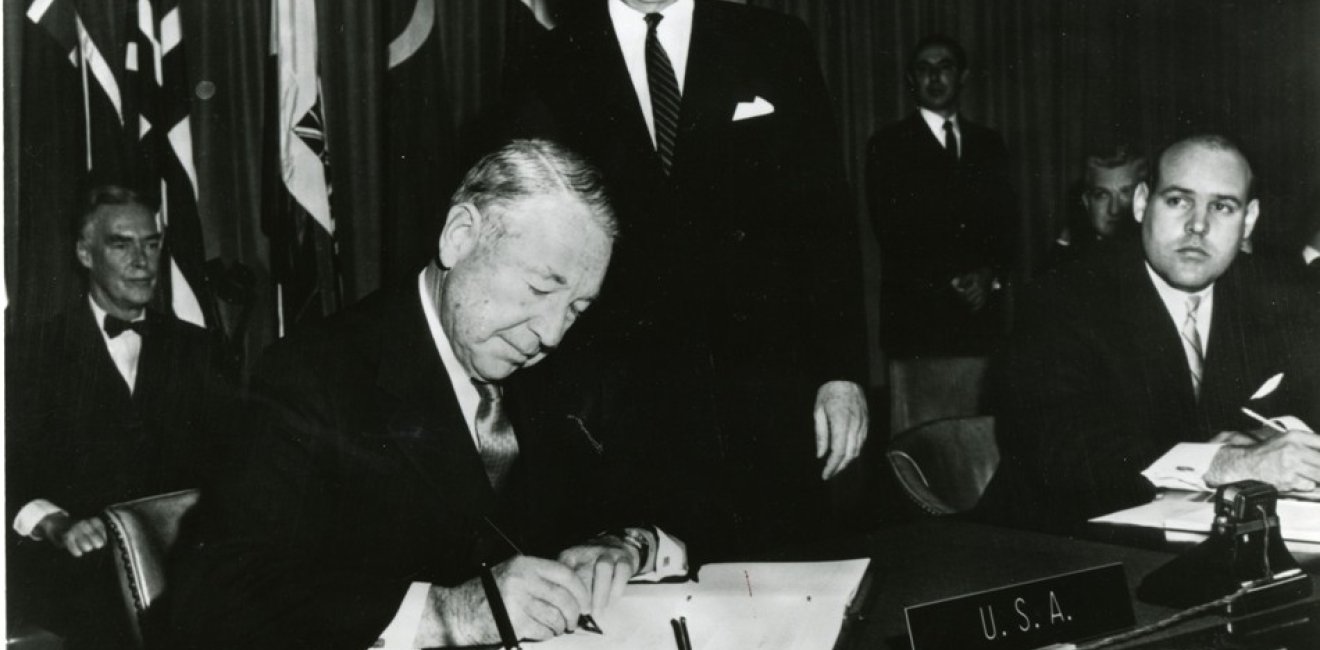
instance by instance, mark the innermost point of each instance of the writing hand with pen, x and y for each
(606, 563)
(1284, 452)
(537, 598)
(543, 599)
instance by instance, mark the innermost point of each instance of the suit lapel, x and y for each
(1237, 357)
(709, 89)
(153, 359)
(600, 46)
(1154, 337)
(422, 415)
(930, 147)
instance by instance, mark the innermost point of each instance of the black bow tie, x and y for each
(114, 326)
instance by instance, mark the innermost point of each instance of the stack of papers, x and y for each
(773, 606)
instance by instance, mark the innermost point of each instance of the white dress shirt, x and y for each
(464, 390)
(935, 122)
(671, 556)
(674, 34)
(124, 349)
(1175, 301)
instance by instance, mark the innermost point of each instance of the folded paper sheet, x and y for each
(772, 606)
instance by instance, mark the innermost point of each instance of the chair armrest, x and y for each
(915, 485)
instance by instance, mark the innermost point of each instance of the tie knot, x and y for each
(114, 326)
(948, 125)
(1193, 305)
(487, 391)
(652, 20)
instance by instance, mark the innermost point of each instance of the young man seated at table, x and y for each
(1153, 349)
(408, 440)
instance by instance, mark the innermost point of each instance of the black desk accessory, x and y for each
(1245, 552)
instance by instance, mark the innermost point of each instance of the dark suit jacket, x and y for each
(936, 219)
(1095, 385)
(363, 477)
(735, 285)
(76, 436)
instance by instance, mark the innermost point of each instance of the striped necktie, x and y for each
(499, 446)
(1192, 344)
(665, 96)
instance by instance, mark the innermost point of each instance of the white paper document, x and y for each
(1299, 520)
(771, 606)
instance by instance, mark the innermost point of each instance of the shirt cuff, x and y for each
(1183, 467)
(670, 559)
(402, 631)
(25, 523)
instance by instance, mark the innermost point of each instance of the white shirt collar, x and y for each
(1310, 254)
(1175, 302)
(675, 35)
(935, 122)
(467, 395)
(124, 349)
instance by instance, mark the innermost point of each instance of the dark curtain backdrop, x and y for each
(1057, 77)
(1051, 76)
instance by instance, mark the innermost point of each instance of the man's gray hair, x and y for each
(523, 169)
(108, 194)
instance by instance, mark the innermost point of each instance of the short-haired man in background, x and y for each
(108, 401)
(1109, 179)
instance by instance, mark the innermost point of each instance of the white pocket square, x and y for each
(755, 108)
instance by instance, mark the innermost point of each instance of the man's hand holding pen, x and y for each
(543, 599)
(1290, 460)
(607, 562)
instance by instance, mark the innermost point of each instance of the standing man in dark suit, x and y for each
(107, 402)
(736, 294)
(1149, 352)
(408, 439)
(943, 209)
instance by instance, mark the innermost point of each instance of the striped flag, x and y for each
(158, 72)
(296, 212)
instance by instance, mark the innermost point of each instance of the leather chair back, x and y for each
(922, 390)
(143, 532)
(945, 465)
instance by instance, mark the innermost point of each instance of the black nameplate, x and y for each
(1062, 608)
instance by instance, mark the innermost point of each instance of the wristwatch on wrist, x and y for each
(635, 538)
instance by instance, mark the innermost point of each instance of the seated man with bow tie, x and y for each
(108, 401)
(1151, 351)
(412, 438)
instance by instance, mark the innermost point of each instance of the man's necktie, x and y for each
(665, 96)
(1192, 344)
(950, 140)
(114, 326)
(499, 446)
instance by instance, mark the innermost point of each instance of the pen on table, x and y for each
(585, 621)
(508, 639)
(681, 633)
